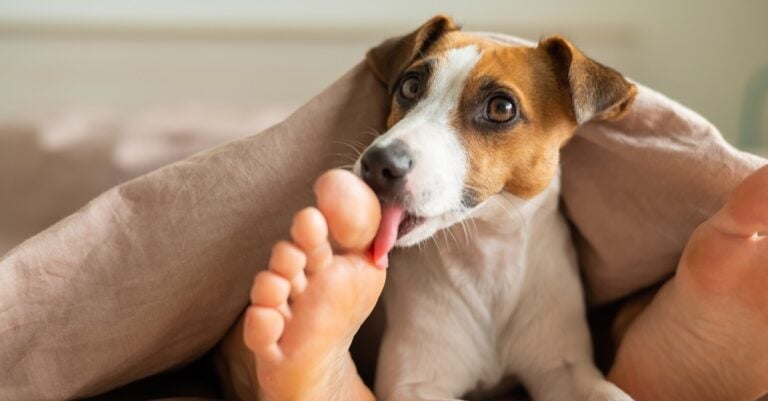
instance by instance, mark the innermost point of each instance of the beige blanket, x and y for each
(152, 273)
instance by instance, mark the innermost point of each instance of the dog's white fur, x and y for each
(502, 297)
(441, 165)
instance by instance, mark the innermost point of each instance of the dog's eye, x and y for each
(500, 109)
(409, 89)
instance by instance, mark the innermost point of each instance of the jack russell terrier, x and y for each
(473, 136)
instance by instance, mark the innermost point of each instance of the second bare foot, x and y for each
(703, 335)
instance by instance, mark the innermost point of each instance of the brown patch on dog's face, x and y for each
(519, 155)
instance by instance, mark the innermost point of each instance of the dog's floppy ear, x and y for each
(391, 57)
(597, 92)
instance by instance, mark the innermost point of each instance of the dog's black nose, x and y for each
(384, 168)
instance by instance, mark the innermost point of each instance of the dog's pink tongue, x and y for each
(391, 217)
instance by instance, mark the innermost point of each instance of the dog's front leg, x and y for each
(423, 366)
(550, 349)
(428, 352)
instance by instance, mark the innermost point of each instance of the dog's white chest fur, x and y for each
(499, 296)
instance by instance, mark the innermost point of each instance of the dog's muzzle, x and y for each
(385, 169)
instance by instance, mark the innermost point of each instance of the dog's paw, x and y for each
(607, 391)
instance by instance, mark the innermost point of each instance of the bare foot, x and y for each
(310, 302)
(703, 337)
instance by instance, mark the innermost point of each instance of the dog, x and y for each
(470, 159)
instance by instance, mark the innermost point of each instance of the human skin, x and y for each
(702, 336)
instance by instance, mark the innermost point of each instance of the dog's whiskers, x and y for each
(474, 226)
(345, 155)
(455, 240)
(344, 161)
(355, 149)
(372, 132)
(437, 244)
(359, 144)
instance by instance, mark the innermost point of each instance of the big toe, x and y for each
(746, 212)
(350, 207)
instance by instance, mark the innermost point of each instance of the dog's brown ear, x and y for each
(391, 57)
(597, 92)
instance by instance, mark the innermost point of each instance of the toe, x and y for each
(310, 233)
(351, 208)
(270, 290)
(746, 212)
(263, 328)
(288, 261)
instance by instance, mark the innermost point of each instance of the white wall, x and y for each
(128, 55)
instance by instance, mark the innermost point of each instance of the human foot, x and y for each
(308, 305)
(703, 335)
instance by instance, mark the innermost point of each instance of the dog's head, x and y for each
(471, 117)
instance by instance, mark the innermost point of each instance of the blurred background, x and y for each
(129, 56)
(95, 92)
